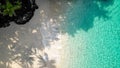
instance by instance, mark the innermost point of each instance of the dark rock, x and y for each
(25, 18)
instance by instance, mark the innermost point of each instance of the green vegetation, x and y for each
(9, 9)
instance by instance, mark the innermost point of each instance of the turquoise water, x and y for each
(94, 34)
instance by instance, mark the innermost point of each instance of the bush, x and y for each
(9, 9)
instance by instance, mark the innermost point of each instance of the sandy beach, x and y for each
(37, 44)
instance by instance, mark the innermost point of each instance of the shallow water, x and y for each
(94, 35)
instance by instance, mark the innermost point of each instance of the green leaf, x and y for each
(9, 8)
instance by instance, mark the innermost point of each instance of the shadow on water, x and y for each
(82, 13)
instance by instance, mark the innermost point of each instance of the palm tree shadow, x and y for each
(49, 63)
(82, 14)
(18, 55)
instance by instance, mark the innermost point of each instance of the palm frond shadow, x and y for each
(48, 64)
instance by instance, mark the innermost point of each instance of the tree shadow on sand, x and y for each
(82, 13)
(18, 46)
(46, 64)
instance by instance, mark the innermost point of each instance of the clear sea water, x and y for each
(93, 27)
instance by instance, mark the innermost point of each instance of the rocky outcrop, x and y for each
(23, 15)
